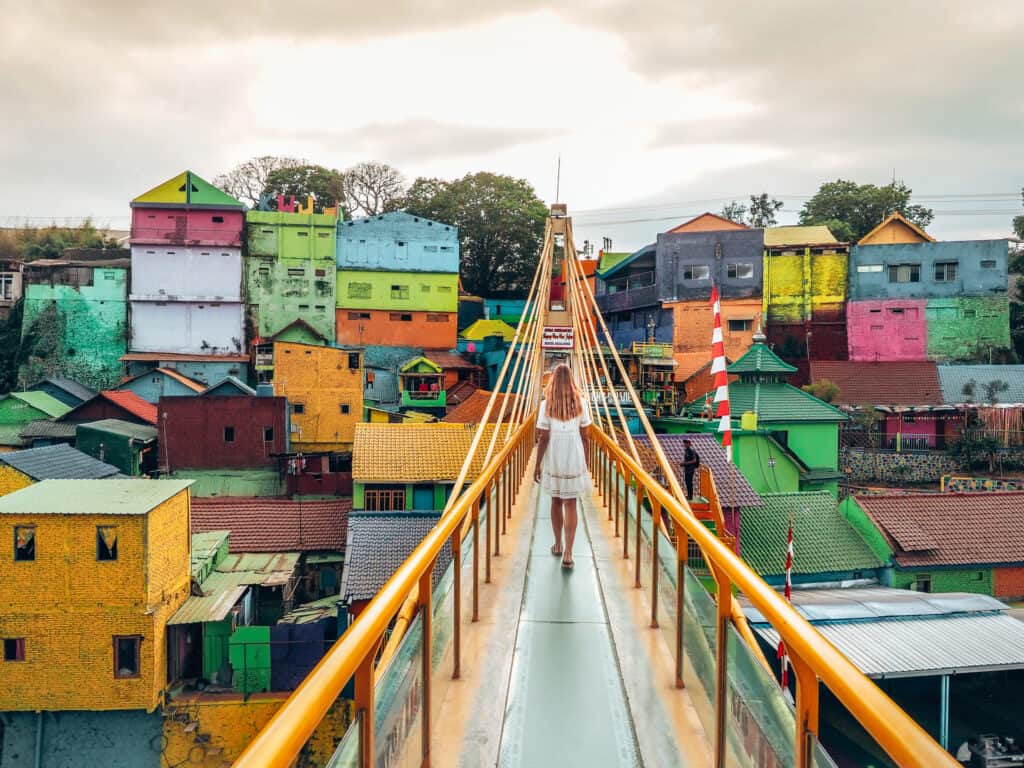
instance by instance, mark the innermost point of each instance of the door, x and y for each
(423, 497)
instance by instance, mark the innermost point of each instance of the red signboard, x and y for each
(557, 337)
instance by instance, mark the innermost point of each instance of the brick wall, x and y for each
(12, 480)
(1008, 583)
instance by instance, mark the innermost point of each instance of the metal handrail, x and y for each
(279, 742)
(813, 657)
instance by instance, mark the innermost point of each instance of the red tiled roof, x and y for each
(275, 525)
(926, 529)
(460, 391)
(471, 410)
(132, 403)
(450, 361)
(896, 383)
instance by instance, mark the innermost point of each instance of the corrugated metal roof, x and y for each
(953, 378)
(811, 235)
(123, 428)
(229, 382)
(72, 387)
(267, 568)
(43, 402)
(91, 497)
(46, 428)
(59, 461)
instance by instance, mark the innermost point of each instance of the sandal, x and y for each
(568, 564)
(556, 552)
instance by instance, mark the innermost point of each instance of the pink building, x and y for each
(887, 330)
(174, 226)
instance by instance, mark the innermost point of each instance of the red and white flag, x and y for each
(783, 656)
(721, 380)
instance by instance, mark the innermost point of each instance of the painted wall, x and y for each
(281, 291)
(887, 329)
(75, 324)
(861, 523)
(967, 327)
(693, 324)
(188, 328)
(975, 580)
(754, 455)
(12, 480)
(715, 249)
(415, 495)
(68, 606)
(827, 341)
(156, 385)
(972, 278)
(1008, 583)
(291, 236)
(177, 226)
(429, 330)
(129, 455)
(321, 381)
(816, 445)
(509, 309)
(627, 327)
(802, 284)
(423, 292)
(397, 242)
(181, 273)
(233, 482)
(192, 432)
(910, 435)
(207, 371)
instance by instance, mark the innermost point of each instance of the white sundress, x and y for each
(564, 470)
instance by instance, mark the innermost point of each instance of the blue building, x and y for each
(627, 295)
(397, 242)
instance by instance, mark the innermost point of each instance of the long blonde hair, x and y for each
(562, 395)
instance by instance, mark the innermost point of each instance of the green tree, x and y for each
(855, 209)
(735, 211)
(246, 181)
(823, 389)
(30, 243)
(327, 186)
(1018, 221)
(760, 213)
(501, 226)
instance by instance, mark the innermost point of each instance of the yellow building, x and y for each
(90, 571)
(896, 229)
(324, 387)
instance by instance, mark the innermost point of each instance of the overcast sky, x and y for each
(660, 109)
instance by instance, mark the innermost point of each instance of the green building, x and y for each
(76, 319)
(19, 408)
(129, 447)
(290, 273)
(784, 439)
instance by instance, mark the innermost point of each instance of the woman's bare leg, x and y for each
(556, 524)
(571, 520)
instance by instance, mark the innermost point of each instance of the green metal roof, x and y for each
(186, 189)
(823, 541)
(120, 427)
(91, 497)
(621, 264)
(760, 359)
(610, 259)
(205, 548)
(41, 401)
(778, 403)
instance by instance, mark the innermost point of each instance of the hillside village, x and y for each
(227, 437)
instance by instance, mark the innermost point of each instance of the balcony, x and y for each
(631, 298)
(415, 400)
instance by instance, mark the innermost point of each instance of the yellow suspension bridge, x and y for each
(626, 661)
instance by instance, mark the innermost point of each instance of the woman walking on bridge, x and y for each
(561, 468)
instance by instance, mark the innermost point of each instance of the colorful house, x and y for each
(222, 432)
(805, 291)
(161, 382)
(689, 262)
(830, 550)
(483, 329)
(207, 369)
(290, 272)
(69, 392)
(129, 446)
(87, 593)
(421, 386)
(627, 295)
(398, 467)
(397, 281)
(18, 409)
(113, 404)
(20, 469)
(186, 292)
(949, 542)
(76, 319)
(324, 387)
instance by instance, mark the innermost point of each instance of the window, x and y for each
(14, 649)
(339, 463)
(106, 542)
(345, 409)
(268, 434)
(737, 326)
(218, 219)
(988, 264)
(296, 272)
(384, 499)
(360, 290)
(321, 307)
(320, 272)
(970, 313)
(437, 317)
(126, 656)
(696, 272)
(896, 310)
(945, 271)
(444, 289)
(430, 249)
(353, 361)
(298, 408)
(904, 273)
(401, 244)
(740, 271)
(923, 582)
(24, 543)
(303, 307)
(424, 288)
(109, 276)
(399, 291)
(323, 235)
(869, 268)
(400, 317)
(979, 576)
(264, 271)
(229, 434)
(6, 286)
(358, 315)
(302, 234)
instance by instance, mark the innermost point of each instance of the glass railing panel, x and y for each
(398, 711)
(348, 754)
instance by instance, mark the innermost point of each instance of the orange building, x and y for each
(427, 330)
(896, 229)
(693, 323)
(707, 222)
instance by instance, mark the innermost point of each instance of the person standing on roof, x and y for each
(691, 462)
(563, 423)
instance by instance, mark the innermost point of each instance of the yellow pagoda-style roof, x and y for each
(481, 329)
(896, 229)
